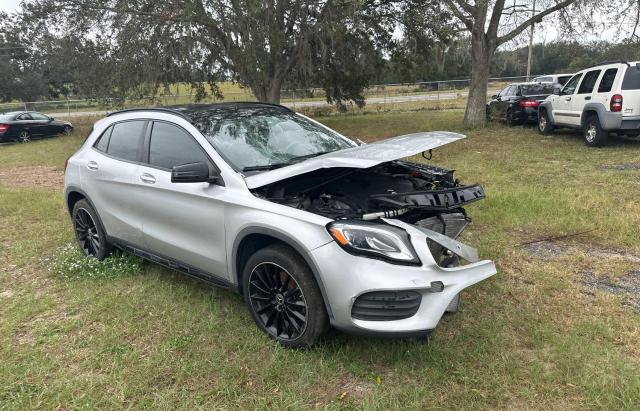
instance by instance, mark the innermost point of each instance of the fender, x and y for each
(288, 240)
(608, 120)
(549, 108)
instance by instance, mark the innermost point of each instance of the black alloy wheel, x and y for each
(278, 301)
(89, 233)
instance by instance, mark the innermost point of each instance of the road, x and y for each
(315, 103)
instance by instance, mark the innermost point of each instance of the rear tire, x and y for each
(544, 125)
(594, 135)
(91, 237)
(24, 136)
(283, 297)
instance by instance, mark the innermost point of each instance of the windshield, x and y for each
(253, 139)
(537, 89)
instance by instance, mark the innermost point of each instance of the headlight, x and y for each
(375, 240)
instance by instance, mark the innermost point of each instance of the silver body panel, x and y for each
(202, 224)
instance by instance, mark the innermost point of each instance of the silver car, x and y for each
(312, 228)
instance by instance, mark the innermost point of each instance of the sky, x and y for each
(9, 5)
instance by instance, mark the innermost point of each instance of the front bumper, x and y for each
(345, 277)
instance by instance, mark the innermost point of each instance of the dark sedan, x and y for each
(22, 126)
(518, 103)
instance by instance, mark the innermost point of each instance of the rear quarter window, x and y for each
(631, 79)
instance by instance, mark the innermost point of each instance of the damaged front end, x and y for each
(422, 195)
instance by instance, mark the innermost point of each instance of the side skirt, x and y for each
(176, 265)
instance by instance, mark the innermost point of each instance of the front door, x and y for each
(181, 221)
(563, 112)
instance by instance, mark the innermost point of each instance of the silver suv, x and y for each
(311, 228)
(598, 100)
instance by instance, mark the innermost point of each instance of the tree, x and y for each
(259, 44)
(491, 24)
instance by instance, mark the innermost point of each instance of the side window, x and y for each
(544, 80)
(571, 85)
(606, 84)
(589, 82)
(25, 116)
(631, 79)
(38, 116)
(103, 141)
(504, 92)
(125, 140)
(171, 146)
(562, 80)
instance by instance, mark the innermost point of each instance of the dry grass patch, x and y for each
(32, 177)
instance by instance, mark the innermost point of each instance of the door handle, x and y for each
(588, 98)
(92, 165)
(567, 98)
(147, 178)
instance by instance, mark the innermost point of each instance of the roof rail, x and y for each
(158, 109)
(614, 62)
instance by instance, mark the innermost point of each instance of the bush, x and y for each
(69, 262)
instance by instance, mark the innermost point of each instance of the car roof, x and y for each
(195, 112)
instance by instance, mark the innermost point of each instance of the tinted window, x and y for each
(571, 85)
(171, 146)
(24, 116)
(38, 116)
(607, 80)
(103, 141)
(589, 82)
(563, 79)
(631, 79)
(125, 140)
(536, 89)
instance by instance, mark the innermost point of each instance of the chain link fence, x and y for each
(448, 94)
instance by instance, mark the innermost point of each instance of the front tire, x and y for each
(283, 297)
(91, 237)
(544, 125)
(67, 130)
(594, 135)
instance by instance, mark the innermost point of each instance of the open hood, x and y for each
(364, 156)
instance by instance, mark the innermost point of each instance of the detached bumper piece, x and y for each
(444, 199)
(386, 305)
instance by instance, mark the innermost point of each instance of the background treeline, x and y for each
(453, 61)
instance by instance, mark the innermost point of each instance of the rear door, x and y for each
(562, 107)
(603, 91)
(109, 179)
(503, 101)
(631, 91)
(30, 124)
(584, 95)
(182, 221)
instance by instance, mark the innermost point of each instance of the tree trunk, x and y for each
(268, 93)
(475, 114)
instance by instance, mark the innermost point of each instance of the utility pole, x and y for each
(529, 58)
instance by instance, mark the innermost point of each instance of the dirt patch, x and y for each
(32, 176)
(621, 167)
(552, 249)
(628, 285)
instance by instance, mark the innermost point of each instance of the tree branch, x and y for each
(466, 20)
(513, 33)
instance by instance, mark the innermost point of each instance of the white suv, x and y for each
(597, 100)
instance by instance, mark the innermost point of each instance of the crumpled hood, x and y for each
(364, 156)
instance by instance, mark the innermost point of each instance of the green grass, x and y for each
(529, 338)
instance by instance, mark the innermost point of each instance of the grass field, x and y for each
(542, 334)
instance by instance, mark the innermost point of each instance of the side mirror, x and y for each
(51, 118)
(192, 173)
(495, 96)
(557, 91)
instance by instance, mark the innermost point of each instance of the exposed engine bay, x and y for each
(419, 194)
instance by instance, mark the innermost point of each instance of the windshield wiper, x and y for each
(307, 156)
(265, 167)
